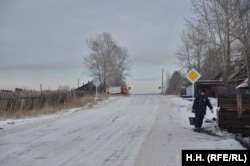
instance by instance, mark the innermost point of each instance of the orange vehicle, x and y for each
(118, 90)
(124, 90)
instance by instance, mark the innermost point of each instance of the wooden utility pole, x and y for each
(162, 81)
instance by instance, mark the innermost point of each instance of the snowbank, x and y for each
(210, 123)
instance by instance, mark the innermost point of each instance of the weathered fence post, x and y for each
(29, 101)
(239, 105)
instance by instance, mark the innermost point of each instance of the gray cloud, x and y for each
(54, 29)
(25, 67)
(45, 34)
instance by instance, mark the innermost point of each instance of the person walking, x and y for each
(199, 108)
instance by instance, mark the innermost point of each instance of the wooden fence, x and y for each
(25, 100)
(234, 113)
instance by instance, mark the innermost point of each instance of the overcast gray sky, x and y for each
(44, 41)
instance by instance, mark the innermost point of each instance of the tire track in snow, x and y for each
(105, 135)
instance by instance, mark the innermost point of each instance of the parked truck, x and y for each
(118, 90)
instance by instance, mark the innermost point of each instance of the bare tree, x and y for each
(217, 16)
(219, 32)
(184, 52)
(198, 37)
(194, 45)
(106, 61)
(120, 65)
(241, 30)
(210, 67)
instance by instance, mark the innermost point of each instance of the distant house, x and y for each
(18, 90)
(4, 93)
(86, 88)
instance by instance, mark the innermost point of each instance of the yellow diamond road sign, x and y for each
(193, 75)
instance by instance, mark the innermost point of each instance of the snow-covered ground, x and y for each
(139, 130)
(210, 119)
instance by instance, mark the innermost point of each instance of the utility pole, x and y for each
(78, 82)
(162, 81)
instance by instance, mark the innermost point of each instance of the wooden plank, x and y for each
(246, 131)
(234, 114)
(239, 105)
(229, 119)
(228, 106)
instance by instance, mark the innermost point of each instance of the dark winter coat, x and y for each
(200, 105)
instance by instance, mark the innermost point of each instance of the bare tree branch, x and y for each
(107, 61)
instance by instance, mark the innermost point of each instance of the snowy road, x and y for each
(139, 130)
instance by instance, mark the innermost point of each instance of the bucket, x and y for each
(191, 120)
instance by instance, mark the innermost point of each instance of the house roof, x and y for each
(210, 82)
(239, 74)
(244, 84)
(86, 87)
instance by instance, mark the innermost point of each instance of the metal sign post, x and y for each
(193, 76)
(96, 83)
